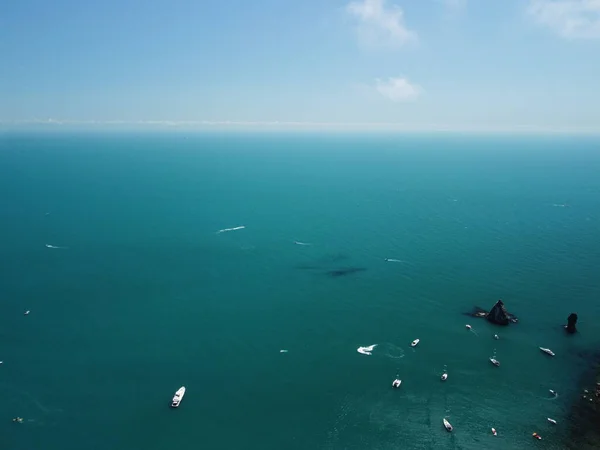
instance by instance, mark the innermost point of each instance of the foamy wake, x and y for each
(366, 350)
(386, 349)
(302, 243)
(231, 229)
(54, 246)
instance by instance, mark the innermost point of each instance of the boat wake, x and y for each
(224, 230)
(386, 350)
(54, 246)
(366, 350)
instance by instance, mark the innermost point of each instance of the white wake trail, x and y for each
(224, 230)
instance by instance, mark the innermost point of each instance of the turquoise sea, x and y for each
(143, 295)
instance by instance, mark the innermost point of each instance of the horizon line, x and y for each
(202, 125)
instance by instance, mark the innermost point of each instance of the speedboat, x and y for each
(26, 313)
(415, 342)
(496, 337)
(547, 351)
(447, 425)
(468, 327)
(178, 397)
(444, 377)
(495, 362)
(537, 436)
(553, 392)
(396, 383)
(494, 432)
(551, 420)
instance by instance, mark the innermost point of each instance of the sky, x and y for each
(412, 64)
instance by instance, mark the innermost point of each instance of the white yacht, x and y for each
(551, 420)
(444, 377)
(396, 383)
(547, 351)
(468, 327)
(415, 342)
(494, 432)
(178, 397)
(495, 362)
(447, 425)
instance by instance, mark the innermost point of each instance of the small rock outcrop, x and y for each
(570, 327)
(499, 315)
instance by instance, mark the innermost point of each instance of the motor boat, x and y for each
(495, 362)
(553, 392)
(537, 436)
(551, 420)
(547, 351)
(468, 327)
(415, 342)
(396, 383)
(447, 425)
(26, 313)
(444, 377)
(178, 397)
(496, 337)
(494, 432)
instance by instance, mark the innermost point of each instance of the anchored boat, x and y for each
(178, 397)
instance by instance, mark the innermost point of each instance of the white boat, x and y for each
(178, 397)
(553, 392)
(415, 342)
(447, 425)
(551, 420)
(494, 432)
(444, 377)
(547, 351)
(27, 312)
(396, 383)
(468, 327)
(496, 337)
(495, 362)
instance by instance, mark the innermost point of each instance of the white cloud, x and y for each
(380, 24)
(398, 89)
(572, 19)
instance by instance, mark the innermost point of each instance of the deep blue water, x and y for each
(146, 296)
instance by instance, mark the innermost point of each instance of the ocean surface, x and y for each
(140, 294)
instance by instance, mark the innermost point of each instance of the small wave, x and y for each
(54, 246)
(302, 243)
(224, 230)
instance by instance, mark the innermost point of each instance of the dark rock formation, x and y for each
(477, 312)
(570, 327)
(499, 315)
